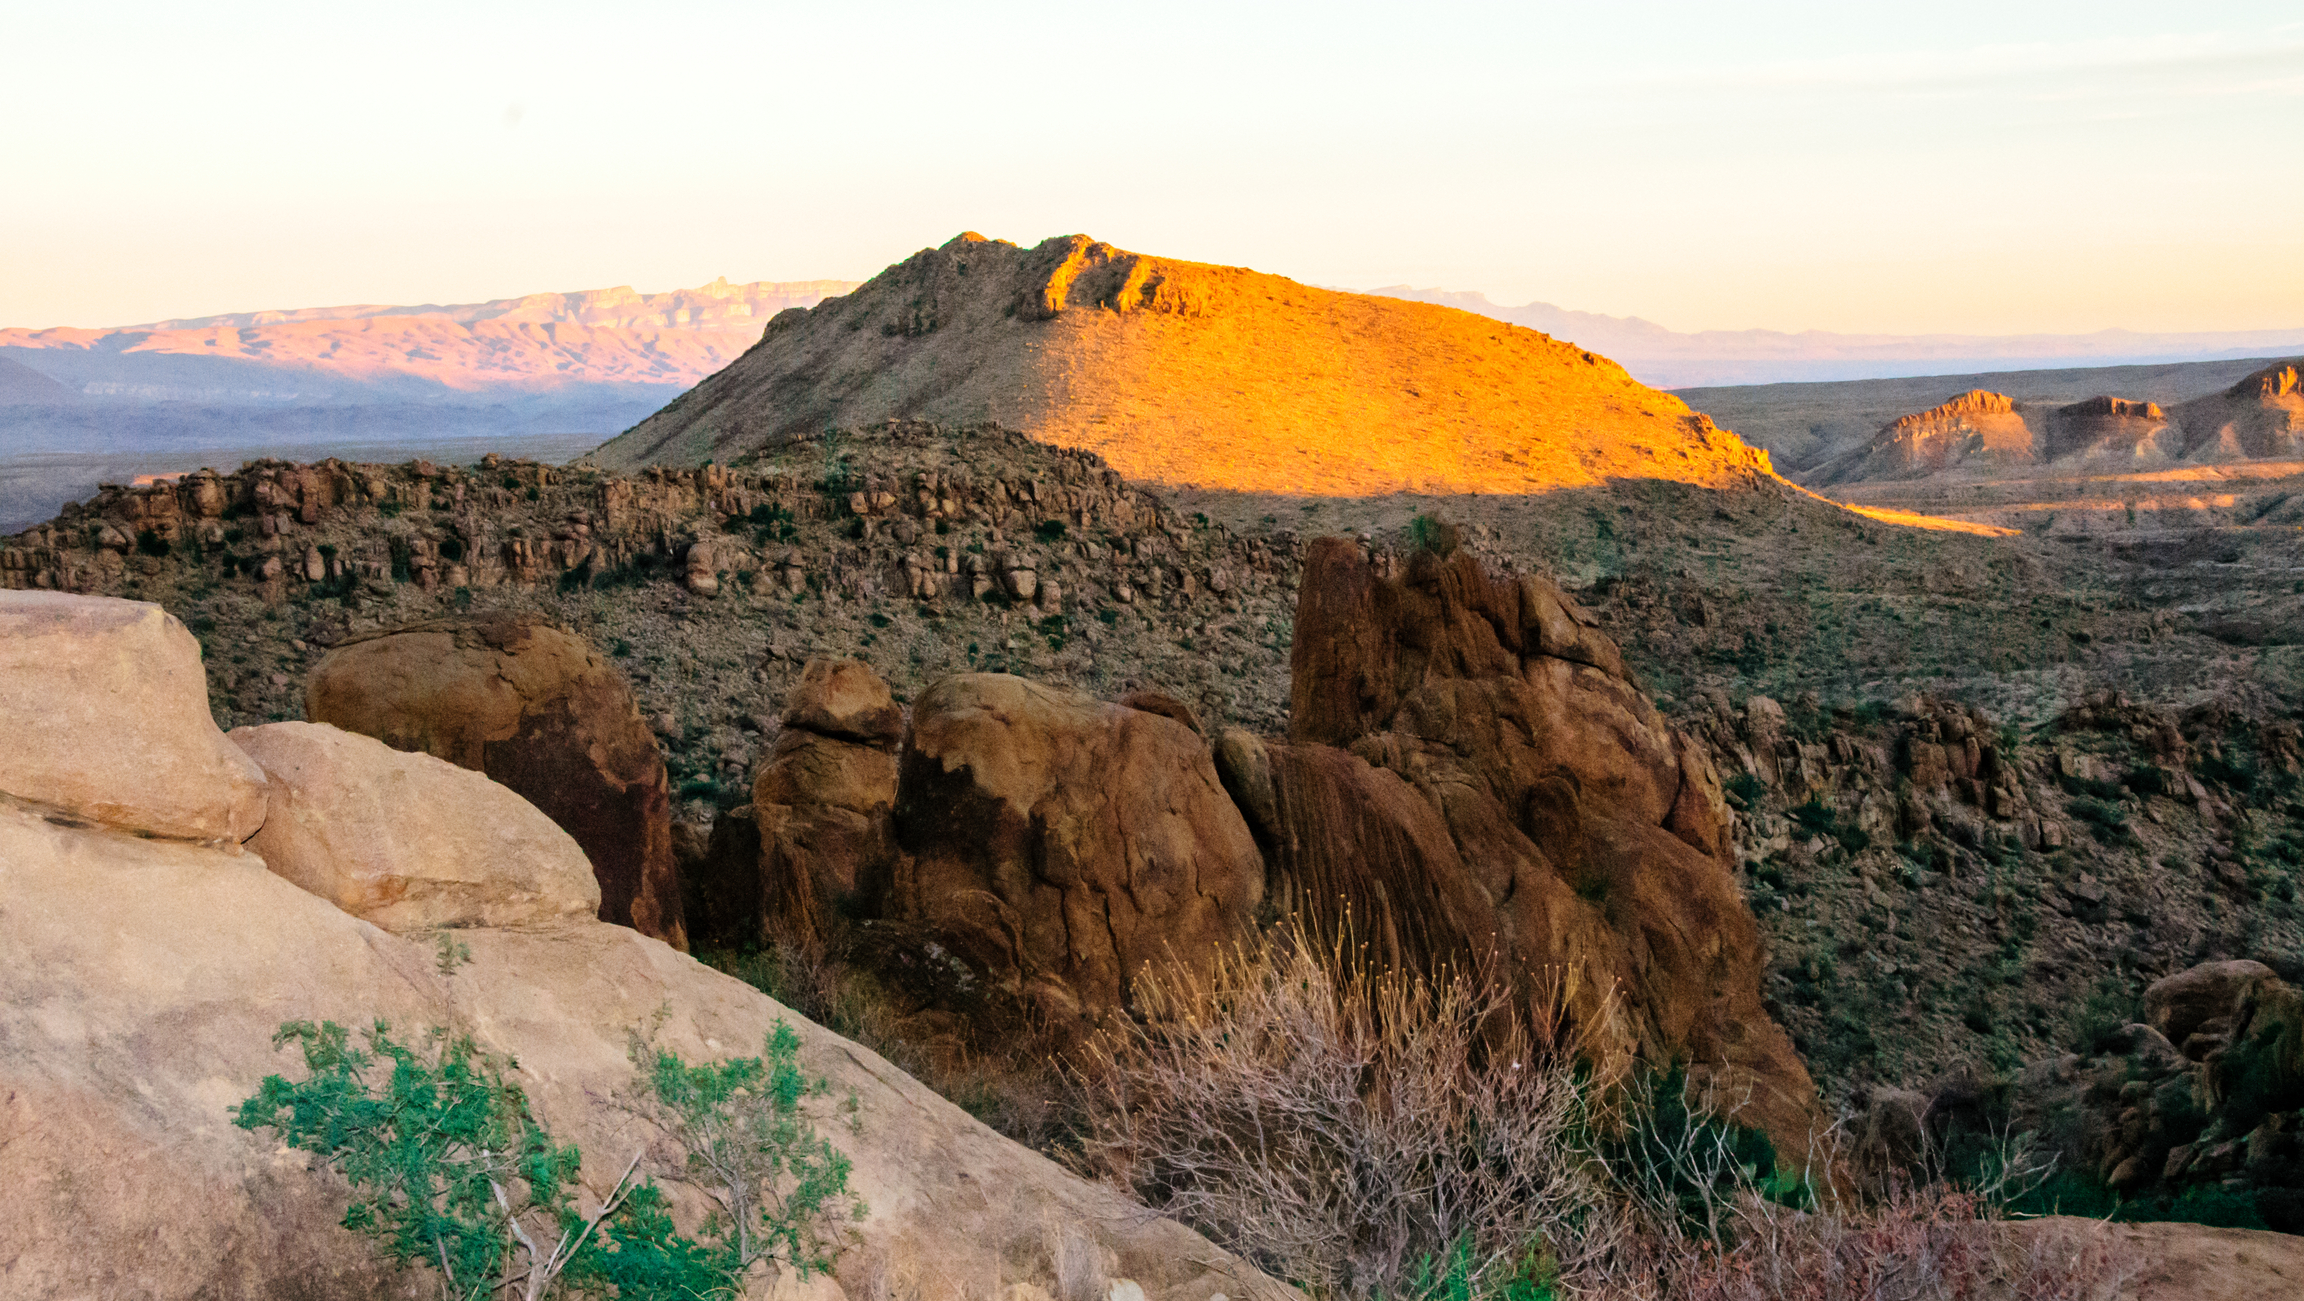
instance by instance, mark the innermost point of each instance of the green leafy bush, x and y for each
(448, 1166)
(1819, 818)
(1745, 790)
(451, 1171)
(738, 1132)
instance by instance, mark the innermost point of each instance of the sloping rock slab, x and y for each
(124, 1045)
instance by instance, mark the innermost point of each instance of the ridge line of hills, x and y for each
(1714, 358)
(1193, 374)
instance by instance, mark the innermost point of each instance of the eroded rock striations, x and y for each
(539, 710)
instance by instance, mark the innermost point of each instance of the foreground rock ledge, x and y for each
(124, 1043)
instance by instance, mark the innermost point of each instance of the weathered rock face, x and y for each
(538, 710)
(407, 841)
(106, 711)
(1587, 834)
(825, 803)
(1058, 843)
(2202, 1000)
(2262, 415)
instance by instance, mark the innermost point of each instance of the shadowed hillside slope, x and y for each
(1181, 372)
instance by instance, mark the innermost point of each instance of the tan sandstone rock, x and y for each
(128, 1043)
(105, 708)
(2179, 1005)
(845, 699)
(1057, 844)
(1565, 828)
(407, 841)
(539, 710)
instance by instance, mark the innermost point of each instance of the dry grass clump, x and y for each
(1345, 1129)
(1372, 1135)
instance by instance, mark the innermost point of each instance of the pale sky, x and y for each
(1951, 166)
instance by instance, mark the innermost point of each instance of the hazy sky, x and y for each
(1950, 166)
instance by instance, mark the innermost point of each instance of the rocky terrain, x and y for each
(1181, 372)
(1987, 435)
(129, 1039)
(1941, 805)
(1940, 927)
(1803, 425)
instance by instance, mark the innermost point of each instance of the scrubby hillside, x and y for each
(1181, 372)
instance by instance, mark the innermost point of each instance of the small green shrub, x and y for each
(450, 1169)
(1820, 818)
(2109, 822)
(1050, 531)
(741, 1136)
(1745, 790)
(448, 1166)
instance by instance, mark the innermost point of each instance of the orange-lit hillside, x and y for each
(1181, 372)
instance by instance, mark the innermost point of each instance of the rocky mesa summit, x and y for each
(1186, 373)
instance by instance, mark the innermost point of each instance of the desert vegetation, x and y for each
(452, 1173)
(1382, 1134)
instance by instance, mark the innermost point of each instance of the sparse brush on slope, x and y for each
(1372, 1136)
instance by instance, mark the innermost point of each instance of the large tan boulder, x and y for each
(845, 699)
(128, 1043)
(1058, 844)
(2178, 1006)
(539, 710)
(407, 841)
(1587, 836)
(105, 708)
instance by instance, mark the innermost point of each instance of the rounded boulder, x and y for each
(539, 710)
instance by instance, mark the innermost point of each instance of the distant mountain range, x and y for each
(1671, 359)
(547, 374)
(594, 361)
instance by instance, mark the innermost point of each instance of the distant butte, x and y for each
(1186, 373)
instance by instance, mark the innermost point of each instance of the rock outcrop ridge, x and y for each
(1472, 781)
(2259, 418)
(1182, 372)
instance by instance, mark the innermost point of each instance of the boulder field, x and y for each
(147, 955)
(1471, 779)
